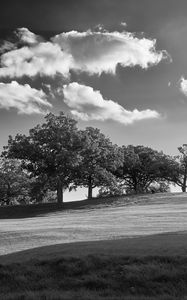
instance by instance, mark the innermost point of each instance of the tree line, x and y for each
(56, 155)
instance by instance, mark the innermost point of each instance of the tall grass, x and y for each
(96, 278)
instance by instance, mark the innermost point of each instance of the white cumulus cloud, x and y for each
(43, 58)
(183, 85)
(97, 52)
(23, 98)
(88, 104)
(6, 46)
(123, 24)
(28, 37)
(93, 52)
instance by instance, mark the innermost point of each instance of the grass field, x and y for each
(124, 217)
(129, 248)
(96, 278)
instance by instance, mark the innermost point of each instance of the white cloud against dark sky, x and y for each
(97, 52)
(23, 98)
(43, 58)
(28, 37)
(106, 56)
(87, 104)
(91, 52)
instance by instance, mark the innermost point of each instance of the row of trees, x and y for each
(56, 156)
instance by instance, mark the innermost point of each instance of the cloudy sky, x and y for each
(119, 65)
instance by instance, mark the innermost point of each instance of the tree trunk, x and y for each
(90, 187)
(8, 194)
(135, 186)
(184, 181)
(184, 189)
(59, 192)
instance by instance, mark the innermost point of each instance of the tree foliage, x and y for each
(50, 151)
(58, 156)
(143, 166)
(178, 173)
(14, 182)
(99, 159)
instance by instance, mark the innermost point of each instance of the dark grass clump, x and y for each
(96, 277)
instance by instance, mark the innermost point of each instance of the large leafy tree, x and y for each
(100, 158)
(50, 151)
(179, 172)
(15, 182)
(142, 166)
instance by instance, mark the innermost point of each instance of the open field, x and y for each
(166, 244)
(124, 217)
(132, 248)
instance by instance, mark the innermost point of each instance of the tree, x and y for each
(179, 172)
(14, 182)
(99, 159)
(115, 188)
(143, 166)
(39, 188)
(50, 151)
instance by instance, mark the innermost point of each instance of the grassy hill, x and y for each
(109, 219)
(112, 249)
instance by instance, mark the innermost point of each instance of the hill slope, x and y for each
(124, 217)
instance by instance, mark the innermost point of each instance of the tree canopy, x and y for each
(59, 156)
(51, 150)
(99, 159)
(178, 173)
(14, 182)
(143, 166)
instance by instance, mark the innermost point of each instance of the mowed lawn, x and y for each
(132, 248)
(125, 217)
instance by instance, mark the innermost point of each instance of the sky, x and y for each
(119, 65)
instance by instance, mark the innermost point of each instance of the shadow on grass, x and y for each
(96, 277)
(33, 210)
